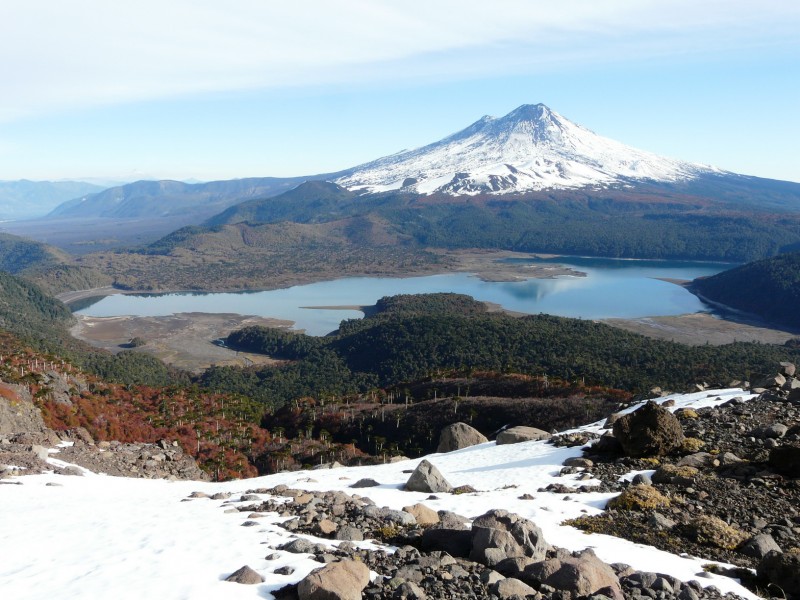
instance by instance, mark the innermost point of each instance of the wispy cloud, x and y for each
(63, 54)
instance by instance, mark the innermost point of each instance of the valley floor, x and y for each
(701, 328)
(183, 340)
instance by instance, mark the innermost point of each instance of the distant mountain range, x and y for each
(530, 181)
(152, 199)
(24, 199)
(531, 149)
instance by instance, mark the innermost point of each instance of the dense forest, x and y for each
(658, 223)
(384, 383)
(413, 337)
(42, 322)
(768, 288)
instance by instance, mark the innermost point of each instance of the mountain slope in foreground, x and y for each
(531, 148)
(97, 536)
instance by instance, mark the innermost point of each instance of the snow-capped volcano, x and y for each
(531, 148)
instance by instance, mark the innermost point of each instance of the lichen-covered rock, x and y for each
(667, 473)
(650, 431)
(498, 535)
(639, 497)
(458, 436)
(713, 531)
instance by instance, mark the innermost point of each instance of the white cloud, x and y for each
(61, 54)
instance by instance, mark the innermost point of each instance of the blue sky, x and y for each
(199, 89)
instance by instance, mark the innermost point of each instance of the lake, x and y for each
(612, 288)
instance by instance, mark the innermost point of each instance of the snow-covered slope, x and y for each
(107, 537)
(531, 148)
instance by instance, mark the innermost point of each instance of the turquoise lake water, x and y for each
(612, 288)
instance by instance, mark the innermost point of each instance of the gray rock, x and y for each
(511, 588)
(427, 478)
(659, 521)
(578, 461)
(773, 381)
(759, 546)
(409, 591)
(642, 479)
(498, 535)
(458, 436)
(410, 573)
(515, 435)
(727, 459)
(342, 580)
(776, 430)
(392, 516)
(696, 460)
(365, 483)
(298, 546)
(246, 576)
(489, 577)
(788, 369)
(581, 575)
(349, 533)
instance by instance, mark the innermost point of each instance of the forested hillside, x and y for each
(768, 288)
(414, 337)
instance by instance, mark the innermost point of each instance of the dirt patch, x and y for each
(700, 328)
(490, 265)
(184, 340)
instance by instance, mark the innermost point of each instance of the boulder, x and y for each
(668, 473)
(427, 478)
(788, 369)
(341, 580)
(697, 460)
(450, 535)
(759, 546)
(365, 483)
(650, 431)
(639, 497)
(459, 435)
(409, 591)
(581, 575)
(423, 514)
(771, 382)
(709, 530)
(515, 435)
(349, 533)
(512, 588)
(245, 575)
(782, 570)
(498, 535)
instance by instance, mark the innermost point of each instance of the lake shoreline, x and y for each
(485, 265)
(186, 337)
